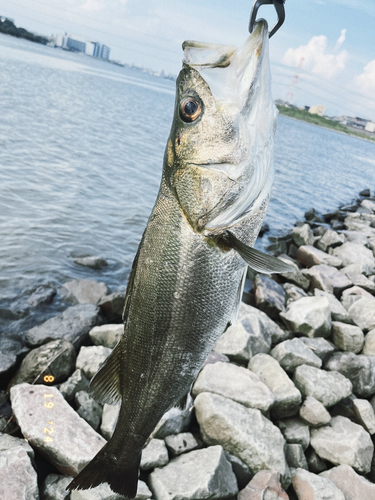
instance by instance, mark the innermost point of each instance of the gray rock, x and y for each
(369, 345)
(355, 253)
(369, 204)
(287, 396)
(112, 306)
(154, 454)
(295, 457)
(32, 419)
(83, 291)
(318, 280)
(347, 337)
(352, 485)
(181, 443)
(314, 413)
(295, 276)
(106, 335)
(362, 313)
(265, 485)
(8, 362)
(352, 268)
(353, 294)
(88, 409)
(344, 442)
(72, 325)
(92, 261)
(54, 487)
(314, 462)
(18, 478)
(236, 383)
(361, 280)
(76, 382)
(330, 239)
(269, 296)
(241, 470)
(196, 475)
(303, 235)
(41, 296)
(293, 292)
(360, 369)
(261, 325)
(215, 357)
(365, 414)
(328, 279)
(90, 359)
(235, 343)
(245, 432)
(321, 347)
(109, 420)
(310, 256)
(57, 358)
(310, 486)
(293, 353)
(104, 492)
(327, 387)
(295, 432)
(310, 316)
(174, 421)
(338, 311)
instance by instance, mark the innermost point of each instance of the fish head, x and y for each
(219, 154)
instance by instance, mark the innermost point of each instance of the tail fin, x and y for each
(123, 479)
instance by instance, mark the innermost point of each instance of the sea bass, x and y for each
(187, 278)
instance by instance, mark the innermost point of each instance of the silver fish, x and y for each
(187, 278)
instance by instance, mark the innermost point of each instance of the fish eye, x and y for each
(190, 109)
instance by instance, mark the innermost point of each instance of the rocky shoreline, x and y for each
(282, 409)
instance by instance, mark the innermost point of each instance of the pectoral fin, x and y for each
(257, 260)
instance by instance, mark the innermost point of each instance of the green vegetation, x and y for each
(304, 115)
(10, 28)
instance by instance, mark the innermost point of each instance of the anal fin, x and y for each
(105, 384)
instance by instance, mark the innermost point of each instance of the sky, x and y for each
(323, 54)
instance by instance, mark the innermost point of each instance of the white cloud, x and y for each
(340, 40)
(314, 57)
(366, 80)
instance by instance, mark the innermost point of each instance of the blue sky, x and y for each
(332, 40)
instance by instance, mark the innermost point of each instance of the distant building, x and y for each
(370, 127)
(104, 52)
(89, 49)
(317, 110)
(79, 44)
(74, 44)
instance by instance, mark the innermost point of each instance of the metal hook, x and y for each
(279, 7)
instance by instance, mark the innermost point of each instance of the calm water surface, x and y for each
(81, 149)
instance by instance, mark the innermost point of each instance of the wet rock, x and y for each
(90, 359)
(328, 279)
(106, 335)
(104, 492)
(236, 383)
(362, 313)
(293, 292)
(309, 486)
(344, 442)
(293, 353)
(245, 432)
(196, 475)
(30, 412)
(338, 311)
(295, 457)
(353, 294)
(321, 347)
(241, 470)
(347, 337)
(72, 325)
(310, 256)
(76, 382)
(369, 345)
(154, 454)
(314, 462)
(361, 280)
(365, 192)
(309, 316)
(303, 235)
(83, 291)
(264, 485)
(92, 261)
(109, 420)
(287, 396)
(327, 387)
(295, 431)
(54, 487)
(314, 413)
(174, 421)
(112, 306)
(181, 443)
(330, 239)
(88, 409)
(269, 296)
(365, 414)
(8, 362)
(57, 358)
(41, 296)
(355, 253)
(352, 485)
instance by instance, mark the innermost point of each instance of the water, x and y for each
(81, 148)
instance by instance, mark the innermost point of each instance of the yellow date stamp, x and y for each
(49, 404)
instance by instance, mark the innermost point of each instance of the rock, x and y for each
(321, 347)
(314, 413)
(303, 235)
(106, 335)
(369, 345)
(359, 369)
(265, 485)
(154, 454)
(309, 256)
(309, 486)
(360, 280)
(76, 382)
(112, 306)
(83, 291)
(196, 475)
(293, 353)
(352, 268)
(41, 296)
(109, 419)
(355, 253)
(88, 409)
(32, 419)
(215, 357)
(314, 462)
(245, 432)
(352, 485)
(8, 362)
(330, 239)
(241, 470)
(353, 294)
(295, 276)
(365, 414)
(174, 421)
(338, 311)
(344, 442)
(181, 443)
(295, 457)
(328, 279)
(72, 325)
(347, 337)
(293, 292)
(364, 192)
(295, 431)
(104, 492)
(287, 396)
(362, 313)
(91, 358)
(92, 261)
(54, 487)
(317, 279)
(56, 359)
(236, 383)
(327, 387)
(261, 325)
(269, 296)
(309, 316)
